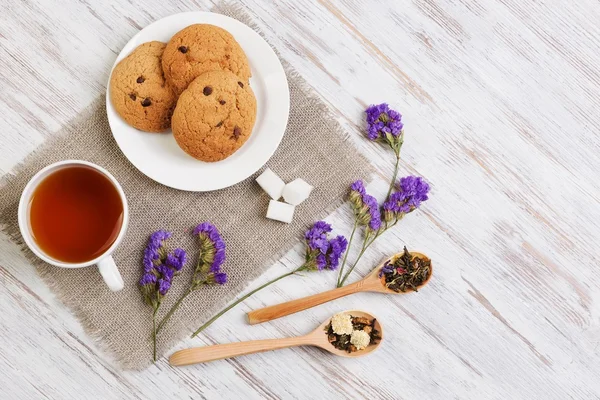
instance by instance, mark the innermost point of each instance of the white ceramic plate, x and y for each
(158, 156)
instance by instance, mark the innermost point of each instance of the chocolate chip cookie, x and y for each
(139, 92)
(201, 48)
(214, 116)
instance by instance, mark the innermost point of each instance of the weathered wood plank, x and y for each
(500, 105)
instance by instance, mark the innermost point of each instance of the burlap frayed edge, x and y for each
(240, 13)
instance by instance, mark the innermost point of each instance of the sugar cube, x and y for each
(296, 191)
(280, 211)
(271, 183)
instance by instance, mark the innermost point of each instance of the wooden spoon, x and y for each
(317, 338)
(371, 283)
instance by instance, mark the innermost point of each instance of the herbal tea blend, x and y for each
(351, 334)
(407, 272)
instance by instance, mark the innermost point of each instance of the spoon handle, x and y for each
(217, 352)
(291, 307)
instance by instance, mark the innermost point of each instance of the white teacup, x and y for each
(106, 264)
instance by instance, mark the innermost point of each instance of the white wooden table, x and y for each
(501, 106)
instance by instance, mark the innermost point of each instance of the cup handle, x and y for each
(110, 274)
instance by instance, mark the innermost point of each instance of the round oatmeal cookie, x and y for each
(201, 48)
(139, 92)
(214, 116)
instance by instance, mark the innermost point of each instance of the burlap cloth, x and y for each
(314, 148)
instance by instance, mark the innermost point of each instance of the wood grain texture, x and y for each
(317, 338)
(500, 103)
(304, 303)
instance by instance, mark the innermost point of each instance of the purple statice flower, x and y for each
(387, 268)
(322, 252)
(316, 236)
(373, 211)
(165, 272)
(359, 187)
(211, 258)
(177, 259)
(411, 192)
(148, 279)
(337, 247)
(219, 254)
(158, 237)
(148, 260)
(208, 229)
(154, 250)
(321, 262)
(381, 121)
(357, 191)
(414, 187)
(365, 206)
(163, 286)
(220, 278)
(212, 246)
(215, 278)
(159, 267)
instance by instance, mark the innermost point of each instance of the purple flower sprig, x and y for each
(411, 192)
(366, 213)
(385, 125)
(322, 253)
(160, 267)
(365, 207)
(211, 256)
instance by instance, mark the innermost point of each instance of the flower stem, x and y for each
(172, 310)
(393, 182)
(367, 243)
(244, 297)
(154, 334)
(347, 251)
(364, 248)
